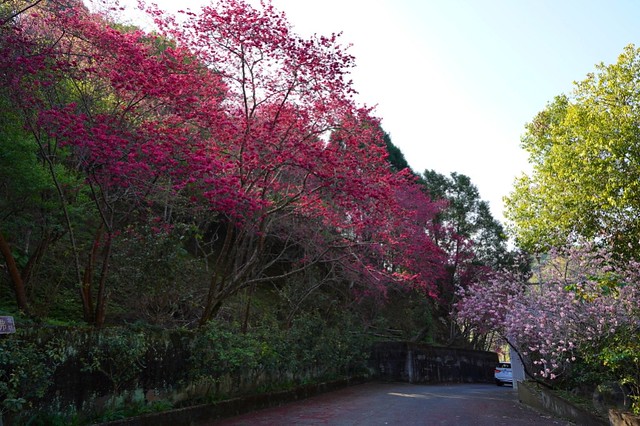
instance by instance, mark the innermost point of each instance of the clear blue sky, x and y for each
(455, 81)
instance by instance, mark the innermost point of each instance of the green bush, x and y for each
(621, 356)
(119, 354)
(27, 364)
(219, 349)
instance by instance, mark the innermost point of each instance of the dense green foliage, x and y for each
(396, 157)
(470, 217)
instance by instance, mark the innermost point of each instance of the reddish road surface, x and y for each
(374, 404)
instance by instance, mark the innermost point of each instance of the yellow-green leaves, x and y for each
(585, 152)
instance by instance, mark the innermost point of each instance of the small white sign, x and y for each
(7, 326)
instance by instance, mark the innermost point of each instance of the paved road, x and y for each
(403, 404)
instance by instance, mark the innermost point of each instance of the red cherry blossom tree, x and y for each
(300, 148)
(121, 106)
(251, 129)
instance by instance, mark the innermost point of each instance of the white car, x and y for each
(503, 374)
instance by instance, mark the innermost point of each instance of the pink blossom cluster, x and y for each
(577, 298)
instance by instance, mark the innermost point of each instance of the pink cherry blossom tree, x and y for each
(578, 301)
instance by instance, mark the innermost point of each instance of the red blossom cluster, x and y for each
(229, 113)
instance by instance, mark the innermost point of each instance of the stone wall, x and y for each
(545, 401)
(420, 363)
(620, 418)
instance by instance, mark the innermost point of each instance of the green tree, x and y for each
(30, 223)
(469, 218)
(584, 149)
(396, 157)
(473, 239)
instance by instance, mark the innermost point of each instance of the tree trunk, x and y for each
(210, 311)
(36, 257)
(249, 294)
(101, 299)
(217, 284)
(14, 273)
(87, 279)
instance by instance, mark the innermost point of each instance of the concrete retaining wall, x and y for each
(543, 400)
(420, 363)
